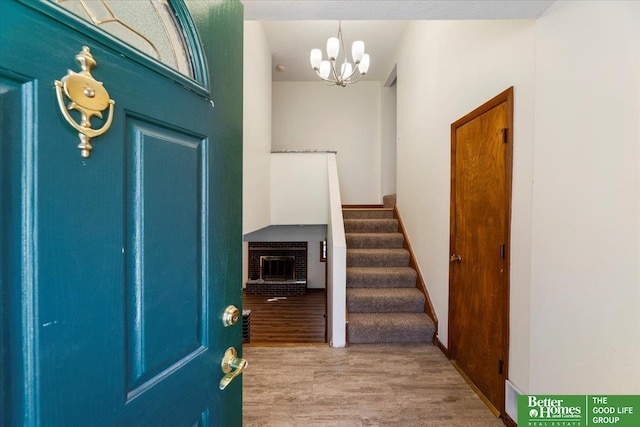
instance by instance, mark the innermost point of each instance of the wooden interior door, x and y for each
(481, 158)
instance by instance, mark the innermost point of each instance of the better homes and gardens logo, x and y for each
(552, 411)
(578, 411)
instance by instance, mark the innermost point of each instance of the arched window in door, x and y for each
(160, 30)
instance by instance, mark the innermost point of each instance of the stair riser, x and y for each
(379, 284)
(371, 226)
(377, 306)
(374, 260)
(414, 334)
(374, 240)
(356, 337)
(381, 278)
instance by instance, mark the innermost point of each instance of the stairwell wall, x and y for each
(256, 184)
(388, 135)
(311, 115)
(445, 70)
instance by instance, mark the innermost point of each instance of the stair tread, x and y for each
(357, 220)
(384, 292)
(381, 277)
(370, 220)
(349, 213)
(385, 300)
(398, 317)
(381, 208)
(389, 321)
(379, 270)
(377, 250)
(373, 234)
(390, 327)
(376, 225)
(374, 240)
(396, 257)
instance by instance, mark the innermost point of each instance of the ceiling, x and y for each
(294, 27)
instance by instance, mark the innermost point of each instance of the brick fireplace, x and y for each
(277, 268)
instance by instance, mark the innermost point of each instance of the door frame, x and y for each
(505, 96)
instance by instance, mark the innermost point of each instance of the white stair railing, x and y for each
(305, 190)
(336, 259)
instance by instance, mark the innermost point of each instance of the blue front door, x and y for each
(117, 267)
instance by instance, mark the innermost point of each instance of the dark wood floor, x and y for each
(293, 320)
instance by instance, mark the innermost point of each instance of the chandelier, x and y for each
(327, 69)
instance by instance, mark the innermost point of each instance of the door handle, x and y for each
(455, 258)
(232, 366)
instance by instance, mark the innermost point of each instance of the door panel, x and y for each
(17, 96)
(480, 197)
(164, 269)
(112, 294)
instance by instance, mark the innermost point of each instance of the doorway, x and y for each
(284, 307)
(481, 169)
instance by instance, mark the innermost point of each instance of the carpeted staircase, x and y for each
(383, 303)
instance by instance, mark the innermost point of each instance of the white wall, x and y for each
(256, 128)
(299, 188)
(311, 115)
(315, 269)
(388, 134)
(445, 70)
(585, 279)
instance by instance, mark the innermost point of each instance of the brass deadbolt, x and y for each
(230, 316)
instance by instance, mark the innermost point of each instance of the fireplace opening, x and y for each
(277, 267)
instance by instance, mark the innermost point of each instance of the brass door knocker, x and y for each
(86, 95)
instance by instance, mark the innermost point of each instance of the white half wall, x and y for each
(445, 70)
(336, 262)
(585, 278)
(311, 115)
(256, 198)
(299, 188)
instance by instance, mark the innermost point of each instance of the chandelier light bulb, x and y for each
(325, 69)
(315, 58)
(357, 50)
(333, 48)
(346, 70)
(363, 66)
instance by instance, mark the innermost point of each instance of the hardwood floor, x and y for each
(294, 379)
(396, 385)
(287, 320)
